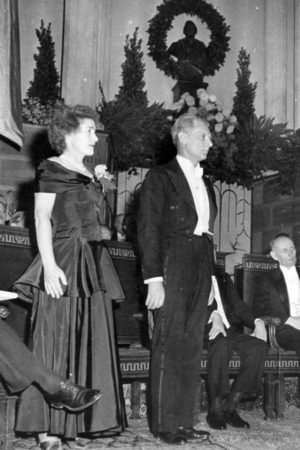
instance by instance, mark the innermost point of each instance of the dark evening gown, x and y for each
(74, 335)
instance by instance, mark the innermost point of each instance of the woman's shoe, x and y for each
(76, 444)
(51, 444)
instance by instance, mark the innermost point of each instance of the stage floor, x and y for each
(281, 434)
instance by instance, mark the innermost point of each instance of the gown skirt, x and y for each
(74, 336)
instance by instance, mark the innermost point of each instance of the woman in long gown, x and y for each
(71, 290)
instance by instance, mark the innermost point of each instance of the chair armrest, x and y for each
(271, 324)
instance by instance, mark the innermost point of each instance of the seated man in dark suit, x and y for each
(277, 293)
(225, 335)
(19, 368)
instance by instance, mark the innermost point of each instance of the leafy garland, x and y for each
(161, 23)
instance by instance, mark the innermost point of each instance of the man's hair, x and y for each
(67, 119)
(184, 123)
(278, 236)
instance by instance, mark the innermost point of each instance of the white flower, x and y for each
(230, 129)
(102, 172)
(219, 117)
(233, 119)
(212, 98)
(200, 91)
(210, 107)
(190, 101)
(204, 96)
(185, 95)
(210, 117)
(218, 127)
(203, 102)
(192, 110)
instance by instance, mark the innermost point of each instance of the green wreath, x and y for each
(161, 23)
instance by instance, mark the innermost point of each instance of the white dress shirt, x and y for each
(293, 287)
(194, 178)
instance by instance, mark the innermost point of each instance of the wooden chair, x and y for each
(286, 363)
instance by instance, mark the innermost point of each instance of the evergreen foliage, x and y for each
(45, 84)
(133, 69)
(135, 129)
(260, 145)
(243, 101)
(44, 90)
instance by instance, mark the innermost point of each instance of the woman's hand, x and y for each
(54, 277)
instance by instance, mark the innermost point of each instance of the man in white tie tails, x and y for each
(277, 293)
(175, 230)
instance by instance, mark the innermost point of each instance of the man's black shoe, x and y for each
(216, 420)
(192, 433)
(233, 419)
(175, 438)
(73, 397)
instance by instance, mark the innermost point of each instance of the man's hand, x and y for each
(217, 326)
(105, 233)
(293, 322)
(156, 295)
(260, 331)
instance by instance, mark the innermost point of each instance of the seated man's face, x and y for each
(284, 252)
(2, 214)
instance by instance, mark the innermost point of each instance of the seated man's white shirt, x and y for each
(215, 294)
(293, 287)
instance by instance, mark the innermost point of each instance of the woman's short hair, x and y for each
(67, 119)
(183, 123)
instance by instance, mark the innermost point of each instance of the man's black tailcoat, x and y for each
(167, 220)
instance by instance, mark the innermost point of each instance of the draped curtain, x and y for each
(10, 98)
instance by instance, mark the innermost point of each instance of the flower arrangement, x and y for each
(208, 107)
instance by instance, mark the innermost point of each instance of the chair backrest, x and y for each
(16, 253)
(253, 265)
(220, 261)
